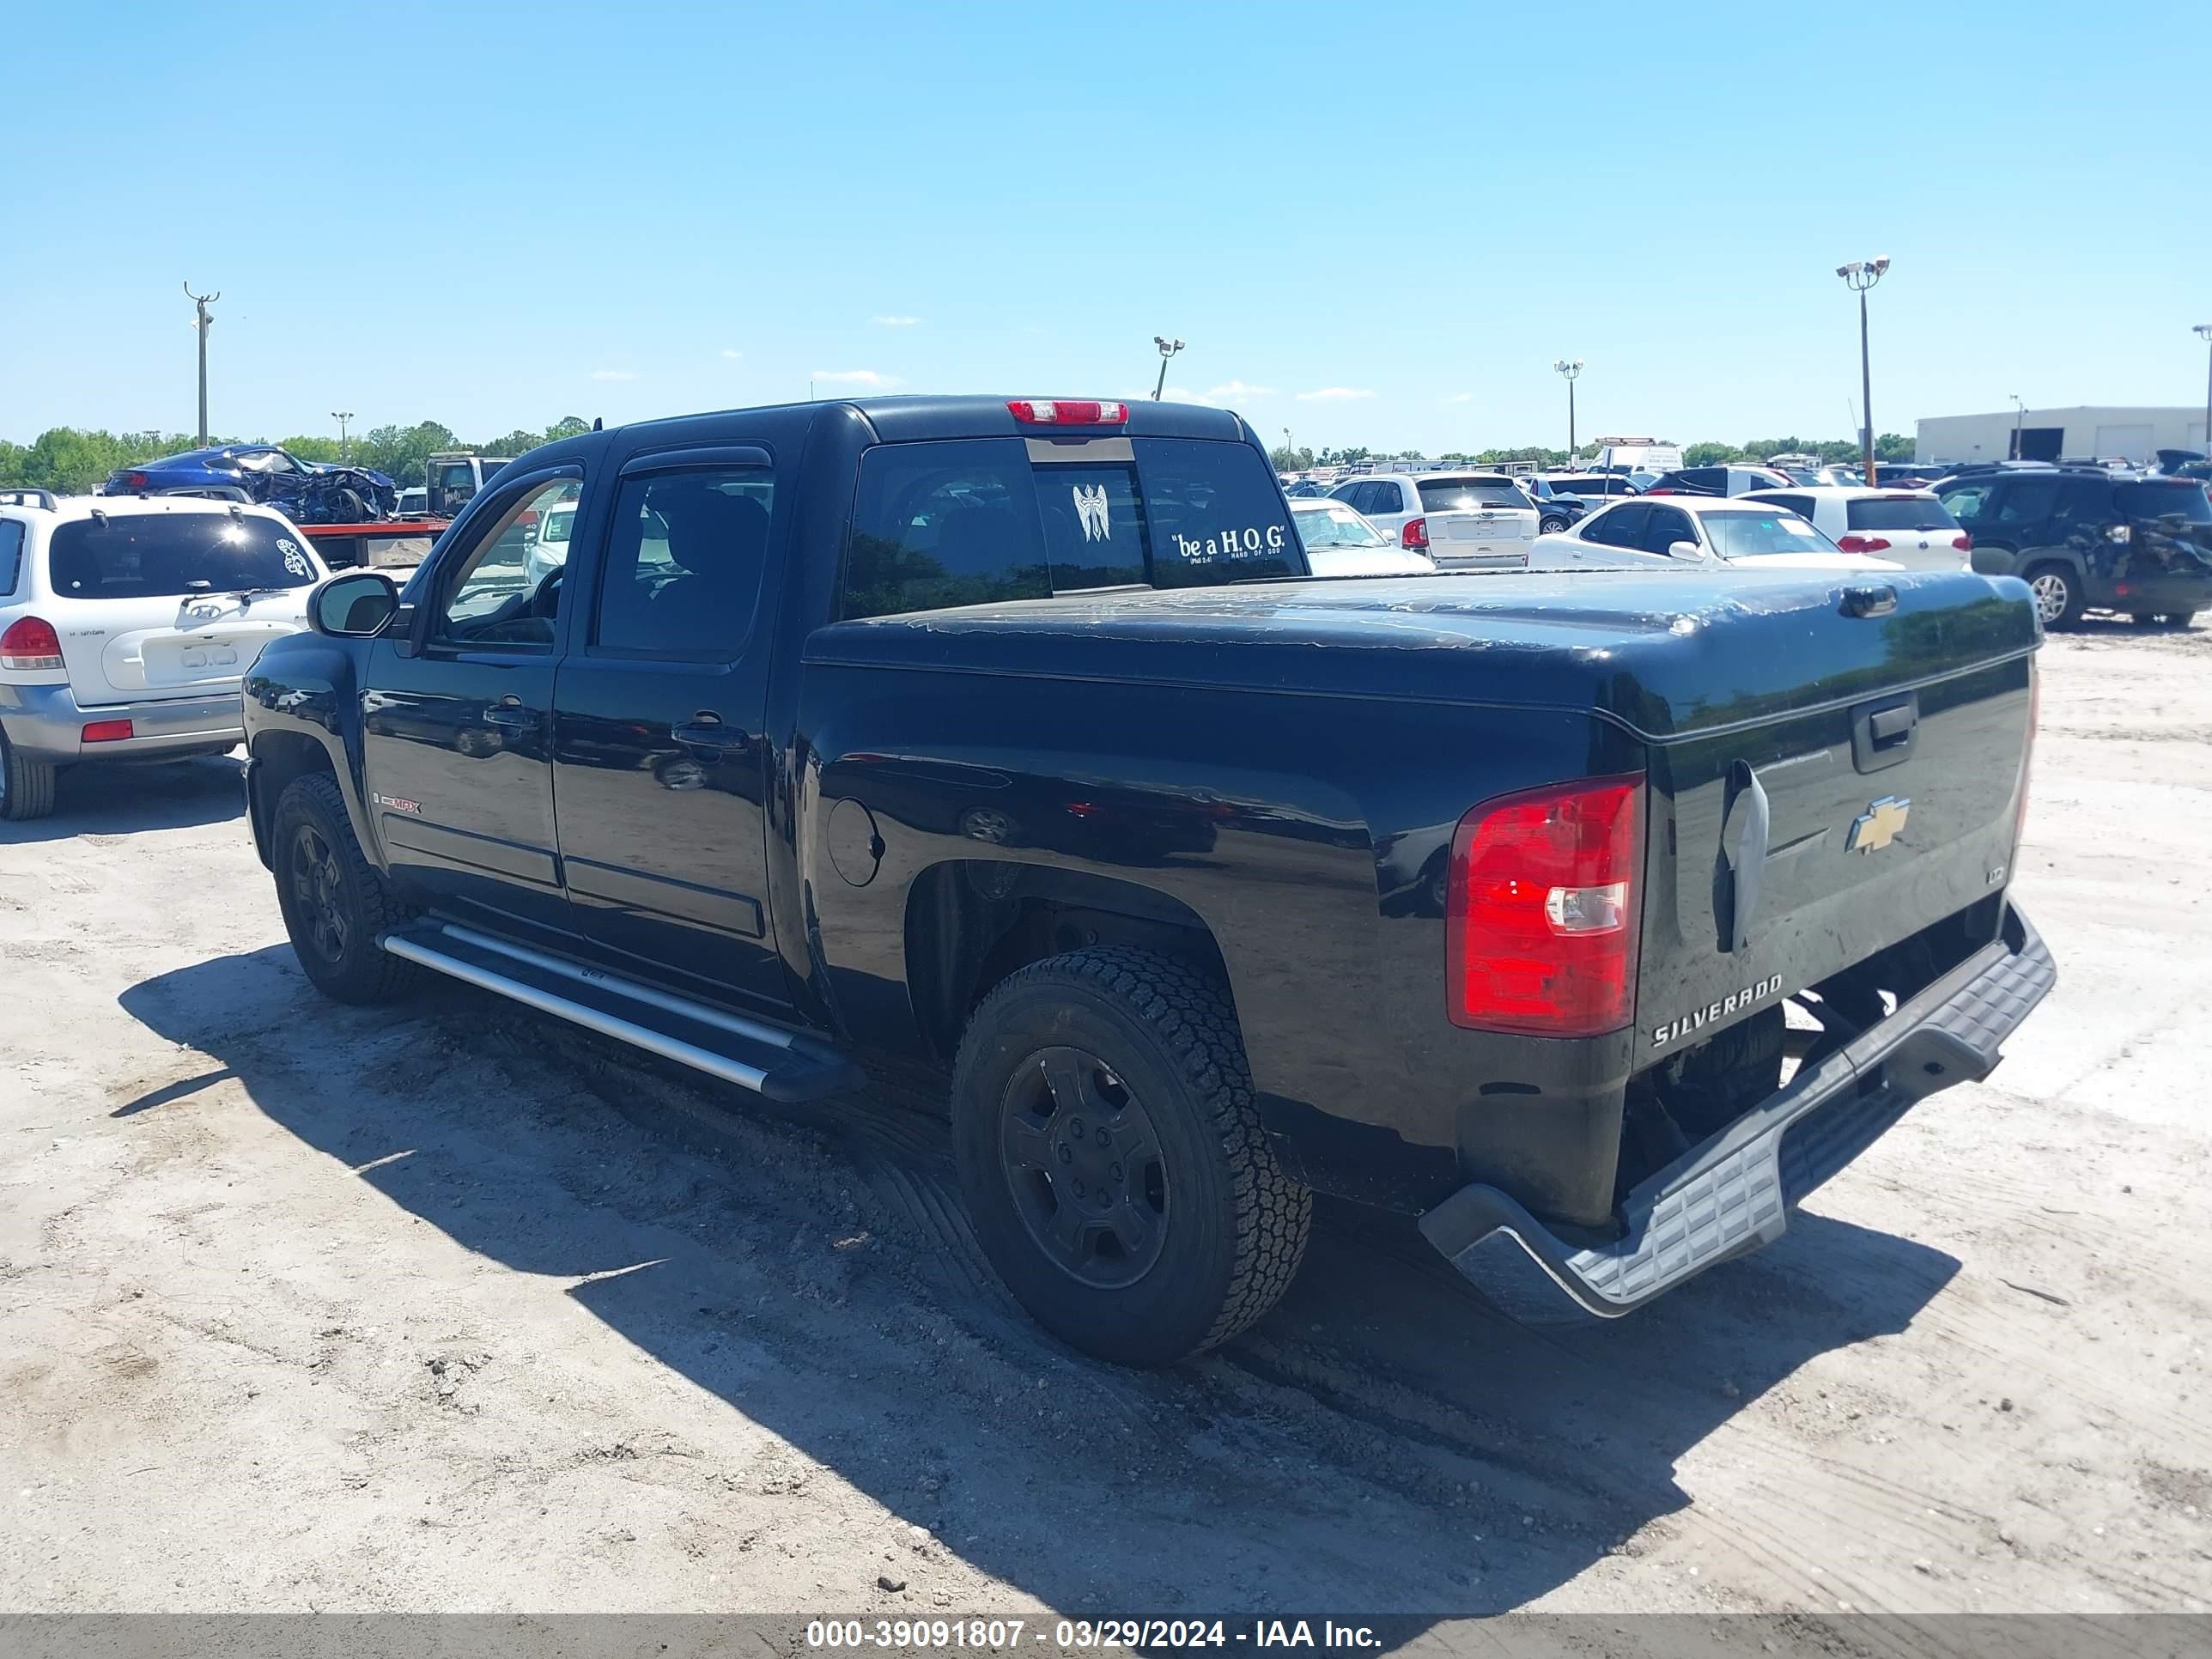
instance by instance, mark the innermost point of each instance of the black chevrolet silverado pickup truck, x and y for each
(1594, 918)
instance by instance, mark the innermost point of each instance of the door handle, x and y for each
(705, 730)
(509, 711)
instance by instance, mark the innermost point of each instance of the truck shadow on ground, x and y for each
(126, 800)
(1383, 1441)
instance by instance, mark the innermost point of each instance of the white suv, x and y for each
(1463, 521)
(127, 626)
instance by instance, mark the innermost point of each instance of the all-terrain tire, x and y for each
(26, 786)
(2058, 597)
(336, 903)
(1235, 1226)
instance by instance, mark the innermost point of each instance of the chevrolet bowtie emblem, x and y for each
(1882, 823)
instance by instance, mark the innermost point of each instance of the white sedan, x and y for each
(1689, 530)
(1340, 542)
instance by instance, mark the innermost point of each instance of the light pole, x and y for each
(1569, 370)
(1168, 348)
(342, 415)
(2019, 413)
(1289, 455)
(202, 322)
(1860, 276)
(2204, 333)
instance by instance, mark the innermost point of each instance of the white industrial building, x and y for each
(2088, 432)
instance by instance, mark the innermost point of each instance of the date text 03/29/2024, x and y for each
(1077, 1635)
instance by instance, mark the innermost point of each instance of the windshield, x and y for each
(2159, 501)
(1465, 495)
(1335, 524)
(556, 524)
(1898, 512)
(150, 555)
(1757, 535)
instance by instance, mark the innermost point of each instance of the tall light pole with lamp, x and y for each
(2019, 413)
(1860, 276)
(1569, 370)
(342, 415)
(1168, 348)
(2204, 333)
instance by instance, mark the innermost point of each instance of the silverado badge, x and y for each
(1882, 823)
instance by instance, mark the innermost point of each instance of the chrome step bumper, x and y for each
(1734, 1193)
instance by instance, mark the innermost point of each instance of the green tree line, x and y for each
(1888, 446)
(73, 461)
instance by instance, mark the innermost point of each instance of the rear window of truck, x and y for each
(986, 520)
(139, 556)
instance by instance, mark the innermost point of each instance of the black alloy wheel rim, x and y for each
(1084, 1164)
(316, 893)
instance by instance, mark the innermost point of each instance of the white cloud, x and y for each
(894, 322)
(1331, 394)
(1460, 397)
(1237, 389)
(866, 377)
(726, 352)
(614, 374)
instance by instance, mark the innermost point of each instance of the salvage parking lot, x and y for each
(451, 1307)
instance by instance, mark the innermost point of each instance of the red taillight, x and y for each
(1066, 411)
(134, 481)
(1863, 543)
(1963, 542)
(107, 731)
(2027, 756)
(1541, 910)
(30, 642)
(1415, 535)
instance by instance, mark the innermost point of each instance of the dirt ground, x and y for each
(453, 1308)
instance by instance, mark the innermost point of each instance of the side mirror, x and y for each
(1685, 550)
(354, 605)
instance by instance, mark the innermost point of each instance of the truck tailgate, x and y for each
(1790, 838)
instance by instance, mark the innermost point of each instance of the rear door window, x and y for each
(686, 561)
(11, 554)
(2026, 501)
(135, 555)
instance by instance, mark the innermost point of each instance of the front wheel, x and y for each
(336, 903)
(1112, 1159)
(2058, 598)
(1551, 526)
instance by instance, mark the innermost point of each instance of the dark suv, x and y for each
(2085, 540)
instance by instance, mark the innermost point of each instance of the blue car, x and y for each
(304, 491)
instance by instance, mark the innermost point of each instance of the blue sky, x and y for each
(495, 215)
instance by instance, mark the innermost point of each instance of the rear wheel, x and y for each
(1113, 1160)
(1551, 526)
(26, 786)
(335, 902)
(2058, 592)
(348, 507)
